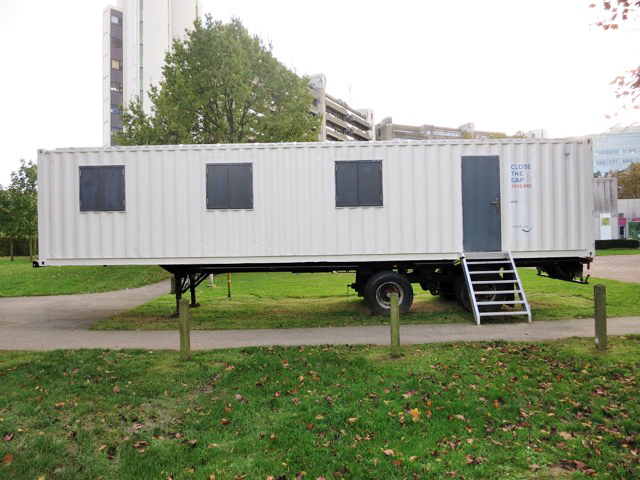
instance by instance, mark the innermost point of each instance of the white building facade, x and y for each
(136, 36)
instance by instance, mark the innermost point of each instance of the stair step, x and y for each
(496, 292)
(490, 282)
(508, 302)
(503, 314)
(498, 265)
(480, 272)
(487, 262)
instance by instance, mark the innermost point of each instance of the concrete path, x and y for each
(72, 312)
(51, 338)
(624, 268)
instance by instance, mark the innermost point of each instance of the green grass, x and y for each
(618, 251)
(19, 278)
(482, 410)
(284, 300)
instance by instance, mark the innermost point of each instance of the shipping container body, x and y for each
(337, 203)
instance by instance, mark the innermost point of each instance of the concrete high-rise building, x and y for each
(340, 122)
(387, 130)
(136, 36)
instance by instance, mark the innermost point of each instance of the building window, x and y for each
(115, 20)
(102, 189)
(116, 87)
(359, 183)
(115, 110)
(116, 64)
(116, 42)
(230, 186)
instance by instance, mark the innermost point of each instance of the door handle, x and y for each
(496, 204)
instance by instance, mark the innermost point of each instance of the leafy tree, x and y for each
(18, 207)
(222, 85)
(628, 85)
(629, 181)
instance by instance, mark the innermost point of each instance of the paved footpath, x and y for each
(48, 323)
(624, 268)
(51, 339)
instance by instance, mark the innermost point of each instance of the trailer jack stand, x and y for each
(188, 283)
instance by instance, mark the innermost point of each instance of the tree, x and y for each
(629, 181)
(628, 85)
(222, 85)
(18, 207)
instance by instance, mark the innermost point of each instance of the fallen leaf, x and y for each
(352, 419)
(101, 448)
(389, 452)
(8, 437)
(415, 414)
(59, 405)
(225, 421)
(8, 459)
(228, 409)
(565, 435)
(115, 389)
(409, 394)
(140, 444)
(534, 467)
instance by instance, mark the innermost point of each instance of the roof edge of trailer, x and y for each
(354, 144)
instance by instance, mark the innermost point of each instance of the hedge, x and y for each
(618, 243)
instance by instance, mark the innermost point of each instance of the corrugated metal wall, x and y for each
(294, 217)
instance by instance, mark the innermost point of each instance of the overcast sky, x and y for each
(506, 65)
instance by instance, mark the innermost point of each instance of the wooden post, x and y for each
(185, 330)
(228, 285)
(600, 307)
(395, 324)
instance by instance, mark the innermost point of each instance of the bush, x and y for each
(619, 243)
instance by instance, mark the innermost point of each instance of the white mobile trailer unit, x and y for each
(411, 210)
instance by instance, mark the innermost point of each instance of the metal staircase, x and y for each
(493, 282)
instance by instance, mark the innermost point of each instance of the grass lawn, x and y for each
(285, 300)
(19, 278)
(618, 251)
(461, 410)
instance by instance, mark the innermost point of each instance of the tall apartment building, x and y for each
(340, 122)
(136, 36)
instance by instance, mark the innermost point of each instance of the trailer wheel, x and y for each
(461, 292)
(380, 285)
(485, 293)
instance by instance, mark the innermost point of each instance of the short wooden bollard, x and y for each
(600, 307)
(395, 324)
(185, 330)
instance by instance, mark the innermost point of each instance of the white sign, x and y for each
(605, 226)
(521, 183)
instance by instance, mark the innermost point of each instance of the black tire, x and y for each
(462, 292)
(380, 285)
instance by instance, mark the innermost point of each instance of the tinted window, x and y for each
(102, 189)
(359, 183)
(230, 186)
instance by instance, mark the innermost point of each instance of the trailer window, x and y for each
(102, 189)
(359, 183)
(229, 186)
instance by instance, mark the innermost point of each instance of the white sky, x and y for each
(506, 65)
